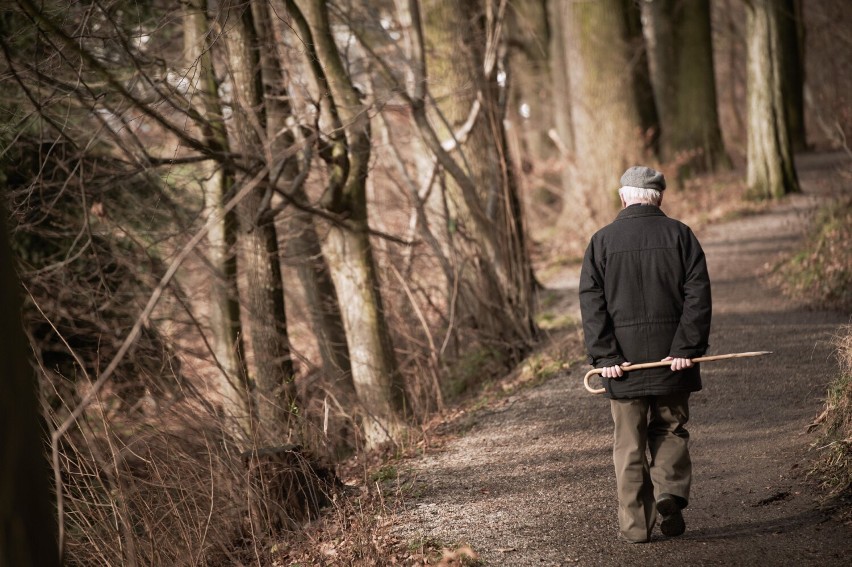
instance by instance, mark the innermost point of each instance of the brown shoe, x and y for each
(672, 523)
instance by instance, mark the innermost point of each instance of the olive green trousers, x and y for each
(650, 425)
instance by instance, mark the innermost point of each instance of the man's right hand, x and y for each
(614, 371)
(678, 364)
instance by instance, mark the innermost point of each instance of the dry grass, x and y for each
(175, 488)
(359, 529)
(171, 486)
(833, 466)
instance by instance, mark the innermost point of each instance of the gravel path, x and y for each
(531, 481)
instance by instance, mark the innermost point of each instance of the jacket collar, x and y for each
(634, 211)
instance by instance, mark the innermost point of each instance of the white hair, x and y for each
(632, 195)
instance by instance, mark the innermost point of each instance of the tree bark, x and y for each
(28, 527)
(377, 379)
(304, 253)
(261, 285)
(302, 246)
(771, 172)
(217, 178)
(681, 52)
(611, 129)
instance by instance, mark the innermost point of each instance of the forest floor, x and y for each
(528, 479)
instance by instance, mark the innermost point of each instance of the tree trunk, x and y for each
(771, 172)
(377, 380)
(346, 245)
(302, 246)
(262, 288)
(681, 54)
(793, 66)
(611, 128)
(304, 253)
(216, 180)
(28, 530)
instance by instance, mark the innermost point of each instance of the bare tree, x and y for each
(302, 246)
(791, 29)
(346, 243)
(562, 132)
(530, 88)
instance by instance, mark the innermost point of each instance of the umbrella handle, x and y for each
(661, 363)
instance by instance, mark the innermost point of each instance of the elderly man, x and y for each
(645, 296)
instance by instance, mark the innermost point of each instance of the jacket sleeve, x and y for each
(598, 329)
(693, 333)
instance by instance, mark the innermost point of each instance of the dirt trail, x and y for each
(531, 482)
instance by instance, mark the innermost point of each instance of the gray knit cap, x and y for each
(644, 177)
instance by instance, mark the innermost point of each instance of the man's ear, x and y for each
(623, 202)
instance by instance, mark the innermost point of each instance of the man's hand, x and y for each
(678, 363)
(614, 371)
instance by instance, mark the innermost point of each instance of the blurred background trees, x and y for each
(325, 217)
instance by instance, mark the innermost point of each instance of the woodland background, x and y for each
(255, 238)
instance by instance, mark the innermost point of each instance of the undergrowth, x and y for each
(833, 466)
(820, 273)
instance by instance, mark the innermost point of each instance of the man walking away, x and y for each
(645, 296)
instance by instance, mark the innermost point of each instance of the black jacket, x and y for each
(645, 295)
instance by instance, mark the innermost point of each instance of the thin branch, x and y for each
(459, 137)
(418, 197)
(39, 107)
(337, 157)
(57, 476)
(427, 131)
(338, 220)
(492, 43)
(433, 351)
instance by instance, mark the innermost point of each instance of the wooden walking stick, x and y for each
(662, 363)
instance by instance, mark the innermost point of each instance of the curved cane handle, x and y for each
(588, 375)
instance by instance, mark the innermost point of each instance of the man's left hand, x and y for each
(679, 364)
